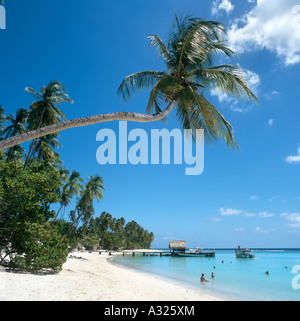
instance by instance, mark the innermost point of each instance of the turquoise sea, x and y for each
(235, 279)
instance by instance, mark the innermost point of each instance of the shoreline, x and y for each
(92, 277)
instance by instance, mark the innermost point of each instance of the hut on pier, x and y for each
(177, 246)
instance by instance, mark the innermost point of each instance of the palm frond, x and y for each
(162, 50)
(139, 81)
(200, 39)
(33, 92)
(196, 112)
(227, 78)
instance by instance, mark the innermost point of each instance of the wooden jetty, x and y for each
(146, 252)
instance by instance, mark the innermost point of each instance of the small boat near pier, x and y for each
(179, 249)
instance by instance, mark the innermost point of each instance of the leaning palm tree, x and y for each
(190, 71)
(44, 111)
(189, 55)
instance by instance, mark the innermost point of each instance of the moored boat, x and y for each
(179, 249)
(244, 253)
(195, 253)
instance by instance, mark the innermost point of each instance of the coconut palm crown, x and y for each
(189, 54)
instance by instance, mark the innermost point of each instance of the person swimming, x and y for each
(202, 279)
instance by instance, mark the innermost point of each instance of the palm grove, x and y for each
(33, 236)
(189, 56)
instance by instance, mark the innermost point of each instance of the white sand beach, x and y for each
(91, 277)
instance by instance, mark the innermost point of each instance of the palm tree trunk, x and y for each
(55, 218)
(74, 225)
(80, 122)
(10, 154)
(29, 153)
(33, 145)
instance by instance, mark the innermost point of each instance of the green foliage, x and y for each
(40, 247)
(137, 237)
(26, 195)
(189, 55)
(25, 198)
(61, 227)
(114, 234)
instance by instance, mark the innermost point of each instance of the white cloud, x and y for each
(275, 92)
(272, 95)
(229, 211)
(293, 158)
(253, 81)
(260, 230)
(274, 198)
(221, 5)
(269, 25)
(293, 219)
(239, 229)
(265, 214)
(253, 198)
(271, 122)
(233, 211)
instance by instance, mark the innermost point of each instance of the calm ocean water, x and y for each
(235, 279)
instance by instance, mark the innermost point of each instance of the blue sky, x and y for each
(249, 197)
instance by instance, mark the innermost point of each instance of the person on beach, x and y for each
(212, 275)
(202, 279)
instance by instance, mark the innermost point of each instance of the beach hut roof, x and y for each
(177, 245)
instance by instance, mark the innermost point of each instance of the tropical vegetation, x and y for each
(32, 235)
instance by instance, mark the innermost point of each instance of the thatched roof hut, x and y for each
(178, 245)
